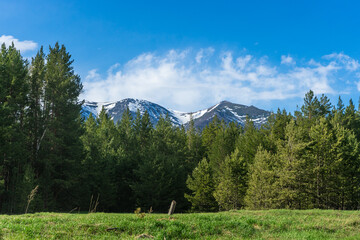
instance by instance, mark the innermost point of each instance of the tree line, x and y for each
(302, 161)
(309, 159)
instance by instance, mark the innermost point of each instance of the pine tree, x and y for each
(13, 100)
(142, 130)
(274, 129)
(232, 182)
(195, 147)
(61, 150)
(127, 161)
(109, 144)
(36, 116)
(352, 119)
(101, 143)
(35, 122)
(248, 142)
(209, 133)
(223, 144)
(202, 185)
(340, 105)
(311, 106)
(322, 163)
(291, 168)
(262, 178)
(345, 169)
(161, 174)
(324, 106)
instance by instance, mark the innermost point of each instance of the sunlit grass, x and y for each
(272, 224)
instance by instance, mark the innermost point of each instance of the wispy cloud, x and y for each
(23, 46)
(349, 63)
(204, 54)
(287, 60)
(189, 80)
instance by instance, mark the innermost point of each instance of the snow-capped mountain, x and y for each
(117, 109)
(227, 111)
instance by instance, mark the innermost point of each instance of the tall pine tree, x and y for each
(61, 150)
(13, 102)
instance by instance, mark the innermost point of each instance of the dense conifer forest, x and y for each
(305, 160)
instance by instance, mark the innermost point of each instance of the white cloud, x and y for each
(23, 46)
(287, 60)
(204, 54)
(349, 63)
(93, 75)
(184, 81)
(242, 62)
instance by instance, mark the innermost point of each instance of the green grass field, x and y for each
(272, 224)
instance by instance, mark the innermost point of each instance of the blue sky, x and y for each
(188, 55)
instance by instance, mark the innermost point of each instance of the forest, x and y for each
(303, 160)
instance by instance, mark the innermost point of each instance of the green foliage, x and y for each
(248, 142)
(274, 129)
(161, 175)
(100, 145)
(309, 160)
(311, 106)
(202, 185)
(291, 170)
(40, 128)
(13, 99)
(260, 193)
(195, 145)
(223, 143)
(127, 159)
(232, 182)
(61, 149)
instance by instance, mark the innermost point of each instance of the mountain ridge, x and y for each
(224, 110)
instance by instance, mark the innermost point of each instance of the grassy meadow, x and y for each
(272, 224)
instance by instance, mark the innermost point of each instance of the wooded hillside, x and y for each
(309, 159)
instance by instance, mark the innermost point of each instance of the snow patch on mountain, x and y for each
(185, 118)
(227, 111)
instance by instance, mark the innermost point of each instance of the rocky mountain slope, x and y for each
(227, 111)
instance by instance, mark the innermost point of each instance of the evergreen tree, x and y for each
(100, 142)
(340, 105)
(106, 164)
(352, 119)
(262, 178)
(36, 116)
(223, 145)
(345, 169)
(274, 129)
(195, 147)
(35, 122)
(209, 133)
(161, 174)
(13, 100)
(248, 142)
(324, 106)
(127, 161)
(202, 185)
(311, 106)
(61, 150)
(143, 130)
(322, 163)
(291, 168)
(233, 182)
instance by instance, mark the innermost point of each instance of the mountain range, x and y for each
(227, 111)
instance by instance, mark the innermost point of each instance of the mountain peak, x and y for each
(225, 102)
